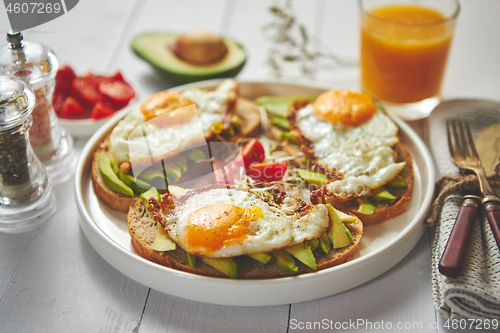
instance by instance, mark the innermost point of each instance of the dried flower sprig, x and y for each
(292, 43)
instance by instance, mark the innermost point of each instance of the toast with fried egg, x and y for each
(143, 228)
(384, 210)
(236, 117)
(345, 136)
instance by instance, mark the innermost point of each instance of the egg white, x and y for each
(363, 155)
(211, 107)
(277, 229)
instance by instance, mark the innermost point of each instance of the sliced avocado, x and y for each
(325, 243)
(262, 257)
(281, 122)
(162, 241)
(226, 266)
(114, 166)
(303, 253)
(381, 194)
(398, 182)
(151, 193)
(346, 218)
(338, 233)
(278, 105)
(196, 154)
(181, 161)
(365, 206)
(284, 260)
(110, 178)
(314, 178)
(191, 260)
(154, 48)
(313, 243)
(137, 185)
(150, 176)
(286, 136)
(173, 171)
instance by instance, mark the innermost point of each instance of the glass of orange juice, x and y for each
(404, 49)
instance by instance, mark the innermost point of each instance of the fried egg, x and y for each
(170, 122)
(222, 222)
(352, 138)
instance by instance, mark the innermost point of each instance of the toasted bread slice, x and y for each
(384, 210)
(143, 228)
(247, 111)
(112, 198)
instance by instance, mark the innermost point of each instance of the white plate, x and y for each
(382, 245)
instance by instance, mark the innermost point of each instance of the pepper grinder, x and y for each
(37, 65)
(26, 197)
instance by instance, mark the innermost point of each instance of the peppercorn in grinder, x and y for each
(26, 197)
(37, 65)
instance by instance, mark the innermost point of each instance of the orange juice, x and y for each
(403, 52)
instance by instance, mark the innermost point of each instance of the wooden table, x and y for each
(52, 280)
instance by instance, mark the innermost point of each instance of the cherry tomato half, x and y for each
(101, 111)
(64, 78)
(268, 172)
(72, 109)
(117, 92)
(85, 91)
(253, 152)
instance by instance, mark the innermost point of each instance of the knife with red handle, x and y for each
(453, 257)
(492, 209)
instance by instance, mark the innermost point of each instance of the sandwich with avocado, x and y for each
(349, 149)
(229, 232)
(163, 141)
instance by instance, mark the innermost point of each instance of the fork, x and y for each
(464, 154)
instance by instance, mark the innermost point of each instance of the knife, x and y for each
(453, 257)
(489, 141)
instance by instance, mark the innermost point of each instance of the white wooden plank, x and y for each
(473, 70)
(339, 36)
(394, 297)
(246, 26)
(168, 16)
(86, 36)
(62, 284)
(12, 247)
(340, 28)
(166, 313)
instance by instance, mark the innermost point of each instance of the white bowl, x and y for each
(84, 128)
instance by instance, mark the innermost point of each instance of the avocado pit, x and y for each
(199, 47)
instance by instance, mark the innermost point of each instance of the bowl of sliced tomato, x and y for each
(84, 103)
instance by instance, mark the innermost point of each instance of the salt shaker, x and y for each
(26, 197)
(37, 65)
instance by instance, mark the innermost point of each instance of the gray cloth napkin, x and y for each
(475, 294)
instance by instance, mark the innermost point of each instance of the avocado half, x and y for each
(153, 47)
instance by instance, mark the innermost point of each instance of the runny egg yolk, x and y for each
(344, 106)
(213, 227)
(163, 102)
